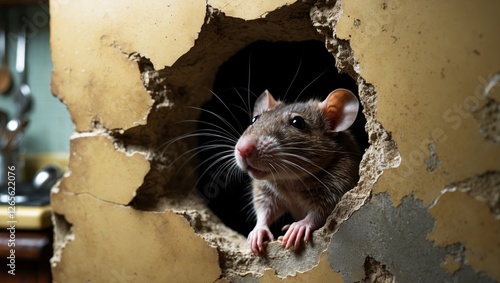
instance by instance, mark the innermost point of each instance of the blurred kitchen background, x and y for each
(46, 137)
(35, 129)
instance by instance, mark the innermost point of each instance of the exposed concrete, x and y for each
(484, 188)
(397, 238)
(432, 162)
(487, 110)
(377, 272)
(320, 273)
(489, 117)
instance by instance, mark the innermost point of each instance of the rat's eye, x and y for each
(255, 118)
(298, 122)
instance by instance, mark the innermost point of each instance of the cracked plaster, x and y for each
(118, 89)
(136, 250)
(92, 174)
(420, 44)
(474, 228)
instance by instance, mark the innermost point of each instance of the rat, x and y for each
(301, 159)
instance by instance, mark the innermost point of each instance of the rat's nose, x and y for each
(246, 148)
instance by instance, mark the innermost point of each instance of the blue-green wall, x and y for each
(50, 125)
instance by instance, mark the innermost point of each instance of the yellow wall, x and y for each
(426, 75)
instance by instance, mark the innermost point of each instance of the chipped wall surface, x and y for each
(92, 174)
(426, 208)
(438, 78)
(435, 79)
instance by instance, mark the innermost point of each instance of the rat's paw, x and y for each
(295, 233)
(256, 239)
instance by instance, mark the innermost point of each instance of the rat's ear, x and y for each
(264, 102)
(341, 108)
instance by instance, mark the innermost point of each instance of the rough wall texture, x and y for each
(426, 207)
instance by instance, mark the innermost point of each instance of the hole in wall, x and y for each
(179, 86)
(269, 65)
(291, 71)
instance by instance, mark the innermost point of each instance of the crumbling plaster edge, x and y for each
(63, 238)
(346, 62)
(396, 160)
(381, 145)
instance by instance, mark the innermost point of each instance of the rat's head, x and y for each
(291, 141)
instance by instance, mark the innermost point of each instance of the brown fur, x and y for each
(305, 171)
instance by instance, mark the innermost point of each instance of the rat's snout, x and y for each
(248, 154)
(246, 148)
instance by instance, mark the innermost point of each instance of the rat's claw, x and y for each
(294, 235)
(285, 227)
(256, 239)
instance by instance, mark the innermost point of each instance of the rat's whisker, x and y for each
(195, 152)
(307, 86)
(223, 139)
(225, 155)
(248, 109)
(293, 80)
(200, 133)
(306, 171)
(307, 161)
(229, 110)
(222, 119)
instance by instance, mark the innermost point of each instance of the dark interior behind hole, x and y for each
(259, 66)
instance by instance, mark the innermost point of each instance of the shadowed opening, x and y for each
(291, 71)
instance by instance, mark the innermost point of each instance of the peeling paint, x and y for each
(106, 234)
(395, 237)
(484, 187)
(414, 102)
(133, 76)
(450, 264)
(91, 77)
(95, 166)
(319, 274)
(462, 219)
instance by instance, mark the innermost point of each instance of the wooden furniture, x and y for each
(33, 250)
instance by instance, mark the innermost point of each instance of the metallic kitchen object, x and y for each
(14, 133)
(23, 97)
(47, 177)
